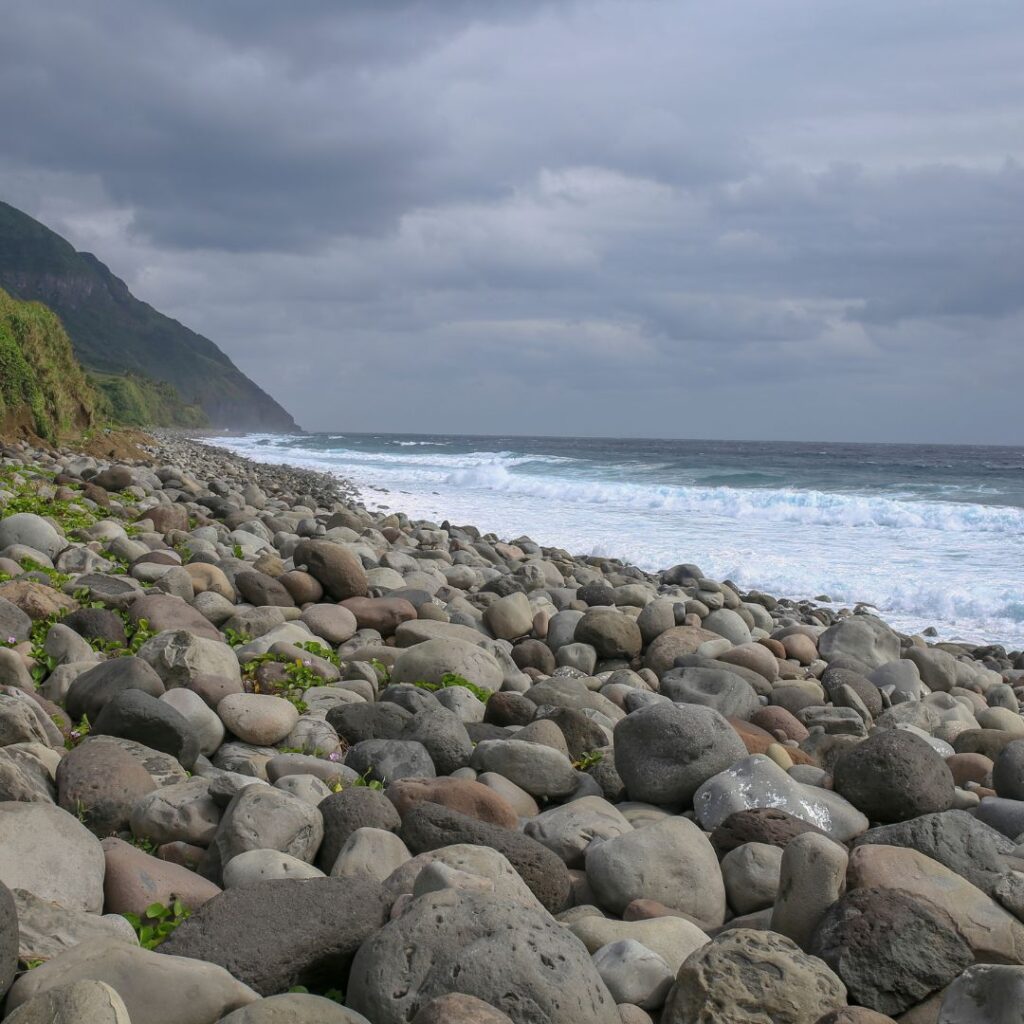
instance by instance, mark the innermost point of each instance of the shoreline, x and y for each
(230, 693)
(928, 630)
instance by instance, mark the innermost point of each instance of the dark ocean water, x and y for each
(932, 535)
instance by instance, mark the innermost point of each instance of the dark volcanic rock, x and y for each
(93, 689)
(759, 825)
(894, 775)
(135, 715)
(890, 950)
(353, 808)
(283, 932)
(955, 838)
(429, 826)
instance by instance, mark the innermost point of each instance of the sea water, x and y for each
(930, 535)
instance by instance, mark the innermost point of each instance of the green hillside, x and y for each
(114, 333)
(42, 386)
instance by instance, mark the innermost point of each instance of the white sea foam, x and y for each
(956, 565)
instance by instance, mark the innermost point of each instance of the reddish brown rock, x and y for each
(970, 768)
(167, 517)
(463, 795)
(305, 589)
(759, 825)
(758, 740)
(100, 782)
(166, 611)
(384, 614)
(134, 880)
(776, 719)
(672, 644)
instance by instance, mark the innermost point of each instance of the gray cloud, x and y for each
(734, 220)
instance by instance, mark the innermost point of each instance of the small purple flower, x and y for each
(307, 662)
(12, 639)
(334, 755)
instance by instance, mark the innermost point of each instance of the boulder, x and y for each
(431, 660)
(463, 795)
(100, 782)
(864, 639)
(993, 993)
(894, 775)
(156, 988)
(52, 855)
(749, 977)
(614, 635)
(665, 752)
(92, 1001)
(513, 958)
(429, 827)
(569, 830)
(991, 932)
(891, 950)
(336, 568)
(671, 861)
(314, 927)
(758, 782)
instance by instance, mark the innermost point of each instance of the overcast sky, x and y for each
(795, 219)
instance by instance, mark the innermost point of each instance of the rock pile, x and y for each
(266, 756)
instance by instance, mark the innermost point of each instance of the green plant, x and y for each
(587, 760)
(31, 965)
(236, 638)
(237, 551)
(144, 844)
(140, 635)
(383, 672)
(157, 922)
(78, 733)
(319, 651)
(452, 679)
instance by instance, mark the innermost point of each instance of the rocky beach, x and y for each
(268, 756)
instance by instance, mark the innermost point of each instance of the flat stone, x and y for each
(151, 984)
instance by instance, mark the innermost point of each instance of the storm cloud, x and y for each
(745, 220)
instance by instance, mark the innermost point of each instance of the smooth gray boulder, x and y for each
(863, 639)
(570, 829)
(665, 752)
(51, 854)
(670, 861)
(156, 988)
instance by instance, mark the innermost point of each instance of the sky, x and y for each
(778, 219)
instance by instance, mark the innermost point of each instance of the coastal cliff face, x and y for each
(115, 333)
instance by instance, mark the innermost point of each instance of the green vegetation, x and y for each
(451, 679)
(133, 400)
(111, 330)
(41, 384)
(587, 760)
(157, 922)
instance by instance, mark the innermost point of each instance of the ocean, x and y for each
(931, 535)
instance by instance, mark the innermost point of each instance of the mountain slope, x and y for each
(42, 387)
(115, 333)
